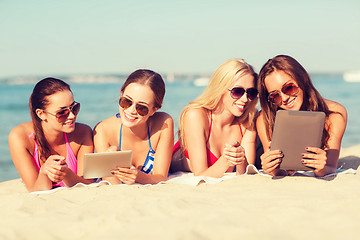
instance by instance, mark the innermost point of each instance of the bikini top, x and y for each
(211, 158)
(71, 160)
(150, 157)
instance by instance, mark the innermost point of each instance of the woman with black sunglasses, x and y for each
(48, 152)
(141, 128)
(285, 84)
(216, 131)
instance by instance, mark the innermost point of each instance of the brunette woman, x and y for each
(285, 84)
(48, 152)
(141, 128)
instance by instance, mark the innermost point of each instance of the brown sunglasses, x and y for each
(63, 114)
(289, 89)
(141, 109)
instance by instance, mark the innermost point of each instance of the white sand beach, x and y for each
(244, 207)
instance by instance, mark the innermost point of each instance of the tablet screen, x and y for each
(293, 132)
(99, 165)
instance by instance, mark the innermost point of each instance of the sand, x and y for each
(244, 207)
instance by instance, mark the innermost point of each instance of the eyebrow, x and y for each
(282, 86)
(67, 107)
(137, 102)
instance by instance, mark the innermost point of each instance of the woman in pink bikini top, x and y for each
(216, 131)
(48, 151)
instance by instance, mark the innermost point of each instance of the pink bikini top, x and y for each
(71, 160)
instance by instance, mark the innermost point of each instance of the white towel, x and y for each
(190, 179)
(78, 185)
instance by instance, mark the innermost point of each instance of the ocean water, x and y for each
(99, 101)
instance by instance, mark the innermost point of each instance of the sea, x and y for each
(98, 96)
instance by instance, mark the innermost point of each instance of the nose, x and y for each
(71, 115)
(132, 109)
(284, 97)
(244, 98)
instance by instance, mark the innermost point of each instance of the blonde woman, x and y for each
(216, 131)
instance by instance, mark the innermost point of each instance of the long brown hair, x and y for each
(151, 78)
(39, 100)
(221, 80)
(312, 100)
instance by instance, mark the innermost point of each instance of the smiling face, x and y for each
(57, 103)
(238, 106)
(275, 81)
(141, 95)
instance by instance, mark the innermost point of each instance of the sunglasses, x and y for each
(238, 92)
(141, 109)
(289, 89)
(63, 114)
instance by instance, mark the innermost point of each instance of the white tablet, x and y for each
(99, 165)
(293, 132)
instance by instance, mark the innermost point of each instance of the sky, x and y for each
(43, 37)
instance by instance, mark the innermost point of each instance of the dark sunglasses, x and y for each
(238, 92)
(63, 114)
(289, 89)
(141, 109)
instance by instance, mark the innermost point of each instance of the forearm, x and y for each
(241, 168)
(217, 170)
(144, 178)
(71, 179)
(325, 171)
(42, 183)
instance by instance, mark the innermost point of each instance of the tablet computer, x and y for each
(99, 165)
(293, 132)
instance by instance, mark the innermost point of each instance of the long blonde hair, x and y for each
(221, 80)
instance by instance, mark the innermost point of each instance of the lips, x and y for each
(240, 107)
(129, 118)
(70, 124)
(290, 103)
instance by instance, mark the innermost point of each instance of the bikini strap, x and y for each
(120, 136)
(66, 140)
(207, 140)
(241, 130)
(149, 139)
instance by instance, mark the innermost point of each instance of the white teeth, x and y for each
(290, 103)
(129, 117)
(241, 107)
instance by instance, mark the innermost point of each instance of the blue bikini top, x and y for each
(149, 160)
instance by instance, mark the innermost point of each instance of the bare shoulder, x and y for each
(336, 107)
(108, 124)
(196, 114)
(161, 120)
(22, 131)
(19, 136)
(259, 118)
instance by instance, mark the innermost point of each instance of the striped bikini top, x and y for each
(150, 157)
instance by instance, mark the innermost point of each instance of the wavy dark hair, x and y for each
(312, 100)
(151, 78)
(39, 100)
